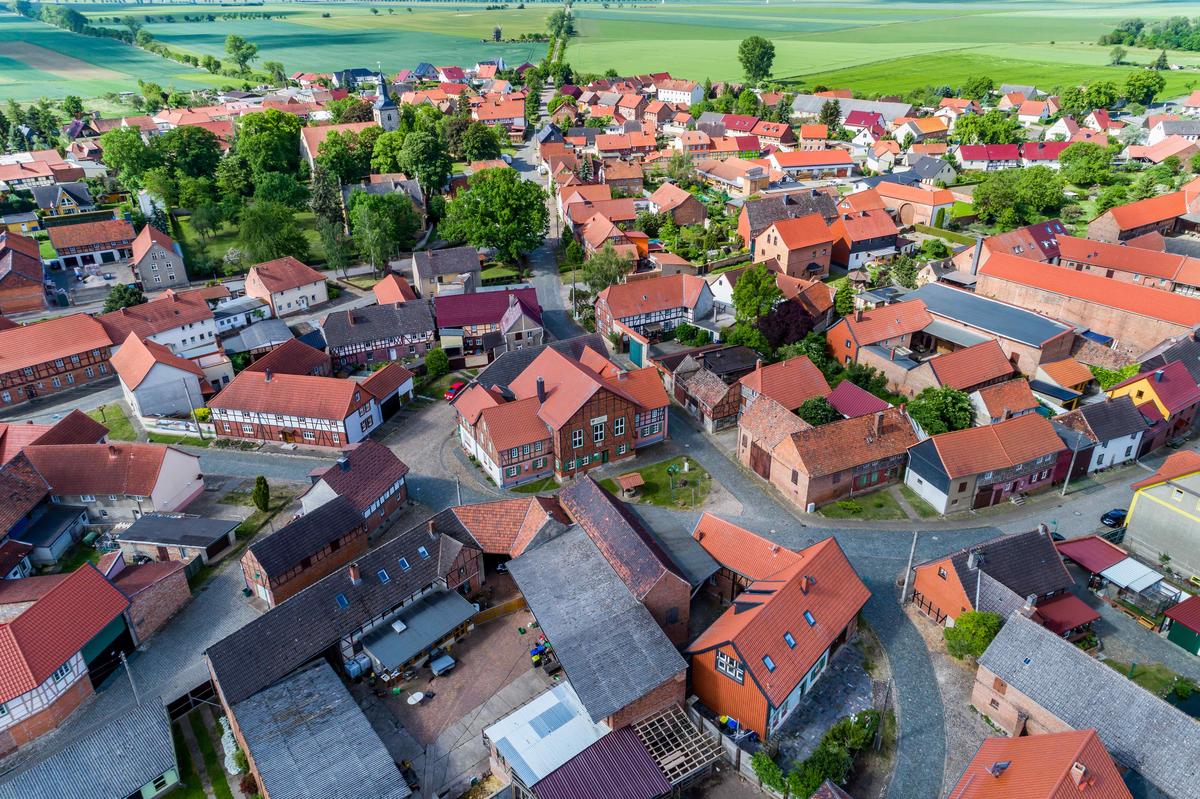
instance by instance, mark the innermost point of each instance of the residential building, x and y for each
(758, 214)
(710, 399)
(193, 541)
(812, 164)
(1115, 428)
(234, 314)
(454, 270)
(369, 476)
(377, 333)
(982, 466)
(1042, 767)
(683, 206)
(303, 551)
(653, 305)
(737, 177)
(864, 237)
(392, 386)
(762, 426)
(293, 357)
(21, 274)
(55, 355)
(157, 260)
(63, 199)
(286, 285)
(1172, 390)
(886, 328)
(477, 328)
(790, 383)
(300, 409)
(678, 92)
(1184, 625)
(90, 245)
(156, 381)
(1159, 214)
(763, 655)
(799, 247)
(1000, 401)
(988, 157)
(916, 206)
(1030, 682)
(810, 105)
(1161, 519)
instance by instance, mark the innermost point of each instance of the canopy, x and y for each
(1132, 575)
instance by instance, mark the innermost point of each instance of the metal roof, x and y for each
(1131, 574)
(177, 530)
(615, 767)
(425, 621)
(988, 315)
(541, 735)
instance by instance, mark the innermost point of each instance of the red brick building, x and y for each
(90, 244)
(797, 247)
(55, 355)
(21, 274)
(156, 591)
(370, 476)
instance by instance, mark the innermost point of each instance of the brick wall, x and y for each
(150, 609)
(1004, 705)
(671, 692)
(670, 595)
(52, 717)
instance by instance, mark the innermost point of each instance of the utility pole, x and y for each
(1071, 468)
(133, 686)
(458, 489)
(187, 392)
(908, 570)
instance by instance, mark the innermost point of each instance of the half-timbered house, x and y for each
(379, 333)
(51, 356)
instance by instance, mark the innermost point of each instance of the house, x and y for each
(21, 274)
(477, 328)
(1042, 153)
(742, 557)
(799, 247)
(919, 129)
(118, 481)
(261, 338)
(988, 157)
(1155, 214)
(21, 222)
(863, 237)
(1000, 401)
(933, 172)
(765, 653)
(377, 333)
(653, 305)
(678, 92)
(812, 164)
(682, 205)
(788, 382)
(1181, 348)
(1115, 429)
(293, 357)
(321, 541)
(884, 328)
(508, 113)
(1184, 625)
(982, 466)
(301, 409)
(1042, 767)
(63, 199)
(1188, 129)
(157, 260)
(92, 244)
(59, 633)
(1033, 112)
(236, 313)
(763, 425)
(623, 176)
(561, 415)
(192, 541)
(818, 465)
(1172, 146)
(393, 288)
(735, 176)
(392, 386)
(1012, 573)
(883, 156)
(286, 285)
(1172, 390)
(1159, 520)
(758, 214)
(710, 399)
(1031, 682)
(45, 528)
(311, 137)
(454, 270)
(369, 476)
(1155, 269)
(912, 205)
(156, 381)
(852, 109)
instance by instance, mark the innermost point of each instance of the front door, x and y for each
(604, 456)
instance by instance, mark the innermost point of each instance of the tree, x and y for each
(479, 143)
(941, 410)
(387, 154)
(1161, 62)
(904, 272)
(499, 209)
(161, 183)
(1102, 94)
(349, 109)
(234, 177)
(437, 363)
(269, 230)
(605, 268)
(1086, 164)
(194, 191)
(123, 296)
(240, 51)
(1012, 197)
(342, 153)
(335, 244)
(1111, 197)
(497, 34)
(261, 494)
(210, 63)
(325, 195)
(382, 224)
(280, 188)
(1143, 86)
(1116, 56)
(188, 150)
(755, 293)
(784, 324)
(831, 114)
(126, 155)
(132, 23)
(935, 249)
(269, 141)
(425, 158)
(560, 22)
(976, 88)
(72, 106)
(206, 218)
(276, 70)
(993, 127)
(817, 411)
(972, 632)
(756, 55)
(843, 298)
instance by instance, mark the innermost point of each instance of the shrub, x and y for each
(243, 765)
(767, 770)
(437, 363)
(1184, 687)
(261, 495)
(249, 785)
(203, 414)
(972, 632)
(850, 506)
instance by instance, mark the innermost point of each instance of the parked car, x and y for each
(1114, 518)
(452, 392)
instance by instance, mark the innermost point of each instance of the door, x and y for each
(261, 590)
(163, 554)
(760, 461)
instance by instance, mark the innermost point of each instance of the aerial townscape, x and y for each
(691, 399)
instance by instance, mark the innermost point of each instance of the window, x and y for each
(730, 667)
(87, 498)
(598, 433)
(994, 703)
(404, 564)
(539, 463)
(247, 429)
(6, 397)
(343, 603)
(3, 711)
(770, 664)
(808, 617)
(309, 435)
(999, 685)
(1129, 452)
(160, 782)
(941, 572)
(383, 576)
(113, 497)
(88, 371)
(423, 552)
(61, 672)
(335, 545)
(537, 446)
(619, 426)
(795, 477)
(56, 383)
(514, 452)
(789, 640)
(622, 449)
(1177, 494)
(1099, 460)
(576, 439)
(511, 471)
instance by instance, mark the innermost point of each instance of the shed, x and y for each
(417, 629)
(169, 536)
(1092, 552)
(1185, 624)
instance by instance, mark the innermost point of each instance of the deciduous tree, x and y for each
(269, 141)
(425, 158)
(123, 296)
(605, 268)
(755, 293)
(941, 410)
(817, 411)
(269, 230)
(240, 51)
(500, 210)
(756, 55)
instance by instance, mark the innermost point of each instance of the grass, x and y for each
(878, 505)
(113, 417)
(923, 508)
(663, 489)
(956, 238)
(364, 282)
(537, 486)
(189, 441)
(498, 273)
(220, 242)
(81, 553)
(190, 786)
(249, 527)
(46, 250)
(1154, 677)
(212, 762)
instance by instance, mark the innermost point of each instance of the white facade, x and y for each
(1115, 451)
(681, 95)
(352, 429)
(299, 299)
(857, 259)
(179, 482)
(926, 491)
(165, 391)
(32, 702)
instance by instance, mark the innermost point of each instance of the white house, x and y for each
(685, 92)
(156, 381)
(1116, 426)
(238, 312)
(286, 285)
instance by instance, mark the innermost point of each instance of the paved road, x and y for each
(55, 407)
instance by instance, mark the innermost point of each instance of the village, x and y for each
(497, 430)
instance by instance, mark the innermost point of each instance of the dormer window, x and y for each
(789, 640)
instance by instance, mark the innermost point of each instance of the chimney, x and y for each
(1158, 375)
(621, 375)
(877, 427)
(1004, 417)
(997, 768)
(429, 528)
(541, 390)
(806, 583)
(858, 314)
(758, 364)
(1080, 776)
(112, 451)
(266, 375)
(343, 463)
(355, 574)
(512, 300)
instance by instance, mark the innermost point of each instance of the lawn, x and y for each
(923, 508)
(190, 786)
(364, 282)
(212, 761)
(878, 505)
(537, 486)
(220, 242)
(1154, 677)
(113, 417)
(667, 490)
(189, 441)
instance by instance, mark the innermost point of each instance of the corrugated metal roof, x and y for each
(538, 737)
(615, 767)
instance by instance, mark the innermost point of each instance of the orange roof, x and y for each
(966, 368)
(768, 422)
(653, 294)
(849, 443)
(387, 380)
(136, 357)
(668, 196)
(1177, 464)
(803, 231)
(292, 357)
(512, 424)
(814, 296)
(474, 400)
(41, 342)
(171, 310)
(814, 131)
(309, 396)
(1068, 372)
(118, 467)
(1032, 108)
(870, 224)
(1150, 210)
(886, 146)
(313, 135)
(822, 586)
(1013, 396)
(1122, 257)
(740, 550)
(789, 382)
(504, 110)
(809, 158)
(393, 288)
(915, 194)
(997, 446)
(929, 125)
(888, 321)
(89, 233)
(1055, 766)
(285, 273)
(868, 200)
(151, 235)
(1142, 300)
(621, 209)
(506, 527)
(568, 384)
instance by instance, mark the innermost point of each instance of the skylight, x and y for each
(404, 564)
(423, 552)
(770, 664)
(808, 617)
(383, 576)
(342, 601)
(791, 642)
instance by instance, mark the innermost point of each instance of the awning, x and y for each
(418, 627)
(1092, 553)
(1100, 338)
(1065, 612)
(954, 334)
(1132, 575)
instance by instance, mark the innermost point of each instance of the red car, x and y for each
(452, 392)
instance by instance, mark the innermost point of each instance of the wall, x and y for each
(725, 696)
(29, 297)
(1118, 450)
(164, 392)
(152, 608)
(17, 388)
(671, 594)
(1166, 518)
(298, 577)
(179, 481)
(41, 710)
(1002, 704)
(161, 268)
(946, 594)
(671, 692)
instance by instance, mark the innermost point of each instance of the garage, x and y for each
(103, 653)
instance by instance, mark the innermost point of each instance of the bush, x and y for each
(203, 414)
(850, 506)
(767, 770)
(249, 785)
(243, 765)
(1184, 688)
(437, 363)
(972, 632)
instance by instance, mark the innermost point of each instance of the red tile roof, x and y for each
(789, 382)
(387, 381)
(768, 422)
(569, 384)
(888, 322)
(151, 235)
(309, 396)
(1040, 767)
(915, 194)
(1068, 372)
(1172, 384)
(1186, 613)
(286, 273)
(42, 342)
(173, 309)
(471, 402)
(823, 584)
(60, 621)
(869, 224)
(653, 294)
(122, 468)
(969, 367)
(512, 424)
(847, 443)
(1149, 211)
(1142, 300)
(1122, 257)
(313, 135)
(989, 152)
(136, 357)
(997, 446)
(364, 472)
(803, 231)
(506, 527)
(21, 489)
(393, 288)
(292, 357)
(1013, 396)
(87, 234)
(1065, 612)
(850, 401)
(799, 159)
(740, 550)
(1177, 465)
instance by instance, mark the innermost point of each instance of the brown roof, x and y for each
(393, 288)
(21, 489)
(74, 428)
(789, 382)
(768, 422)
(841, 445)
(507, 526)
(151, 235)
(88, 233)
(740, 550)
(135, 578)
(1013, 396)
(310, 396)
(708, 388)
(969, 367)
(364, 472)
(668, 196)
(814, 297)
(866, 225)
(42, 342)
(122, 468)
(997, 446)
(888, 321)
(136, 357)
(285, 273)
(172, 310)
(387, 380)
(292, 357)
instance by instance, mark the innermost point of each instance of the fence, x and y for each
(496, 611)
(733, 754)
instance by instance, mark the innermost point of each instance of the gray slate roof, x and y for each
(1113, 419)
(267, 333)
(927, 167)
(177, 530)
(608, 643)
(806, 104)
(309, 740)
(426, 622)
(305, 536)
(988, 315)
(1185, 349)
(1027, 563)
(1140, 731)
(48, 196)
(450, 261)
(377, 323)
(1180, 127)
(509, 365)
(761, 214)
(110, 762)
